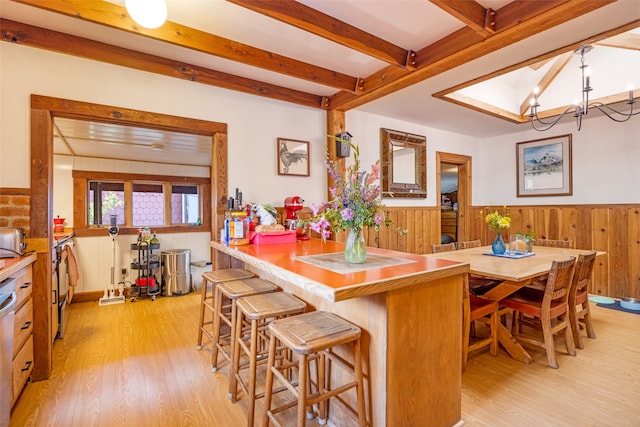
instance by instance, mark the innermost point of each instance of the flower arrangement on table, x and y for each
(356, 203)
(498, 221)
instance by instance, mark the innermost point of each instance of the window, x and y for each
(105, 199)
(175, 203)
(185, 204)
(147, 204)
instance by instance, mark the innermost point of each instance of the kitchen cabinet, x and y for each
(22, 363)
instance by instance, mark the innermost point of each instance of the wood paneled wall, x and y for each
(614, 229)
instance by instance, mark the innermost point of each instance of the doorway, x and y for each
(453, 188)
(42, 113)
(448, 202)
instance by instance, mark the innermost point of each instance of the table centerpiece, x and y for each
(498, 221)
(356, 203)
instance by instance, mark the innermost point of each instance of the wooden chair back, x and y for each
(579, 296)
(470, 244)
(555, 243)
(582, 275)
(443, 248)
(556, 292)
(548, 311)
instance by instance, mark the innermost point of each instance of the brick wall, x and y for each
(15, 204)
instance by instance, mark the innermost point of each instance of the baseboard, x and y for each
(87, 296)
(91, 296)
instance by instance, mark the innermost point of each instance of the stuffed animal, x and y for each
(265, 217)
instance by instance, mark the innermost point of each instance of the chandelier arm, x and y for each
(609, 112)
(548, 125)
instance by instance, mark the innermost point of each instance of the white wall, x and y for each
(95, 256)
(606, 158)
(254, 123)
(365, 128)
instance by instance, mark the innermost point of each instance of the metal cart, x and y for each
(147, 265)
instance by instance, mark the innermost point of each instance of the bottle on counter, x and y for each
(154, 240)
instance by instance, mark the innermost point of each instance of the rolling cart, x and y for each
(146, 264)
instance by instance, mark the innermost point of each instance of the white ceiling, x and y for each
(410, 24)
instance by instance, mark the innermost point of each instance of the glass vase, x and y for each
(355, 250)
(498, 247)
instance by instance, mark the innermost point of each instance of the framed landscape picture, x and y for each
(544, 167)
(293, 157)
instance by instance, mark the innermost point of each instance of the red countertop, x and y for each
(280, 260)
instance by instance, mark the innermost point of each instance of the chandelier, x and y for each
(147, 13)
(580, 109)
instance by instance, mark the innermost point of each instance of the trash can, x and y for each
(176, 272)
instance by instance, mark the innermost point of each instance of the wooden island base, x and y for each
(410, 316)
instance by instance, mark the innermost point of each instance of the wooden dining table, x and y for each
(514, 273)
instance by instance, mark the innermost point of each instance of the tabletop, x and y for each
(512, 269)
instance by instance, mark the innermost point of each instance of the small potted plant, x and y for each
(528, 237)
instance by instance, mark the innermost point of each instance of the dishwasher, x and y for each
(7, 311)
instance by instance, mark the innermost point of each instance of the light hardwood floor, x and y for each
(135, 364)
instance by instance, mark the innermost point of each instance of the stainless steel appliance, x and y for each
(176, 272)
(12, 242)
(7, 312)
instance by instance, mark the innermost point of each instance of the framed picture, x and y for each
(293, 157)
(544, 167)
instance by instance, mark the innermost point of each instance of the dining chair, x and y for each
(468, 244)
(478, 284)
(555, 243)
(443, 248)
(546, 310)
(483, 310)
(579, 296)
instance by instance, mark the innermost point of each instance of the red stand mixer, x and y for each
(292, 206)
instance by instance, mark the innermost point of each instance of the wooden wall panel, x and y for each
(600, 228)
(618, 253)
(614, 229)
(634, 251)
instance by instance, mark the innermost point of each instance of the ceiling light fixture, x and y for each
(147, 13)
(581, 108)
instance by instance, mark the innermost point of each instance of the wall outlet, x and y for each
(123, 271)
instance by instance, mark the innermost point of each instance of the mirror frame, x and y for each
(391, 189)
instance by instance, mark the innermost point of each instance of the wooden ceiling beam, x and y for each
(518, 20)
(318, 23)
(115, 16)
(622, 41)
(557, 66)
(28, 35)
(471, 13)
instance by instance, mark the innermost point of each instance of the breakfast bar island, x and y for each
(408, 306)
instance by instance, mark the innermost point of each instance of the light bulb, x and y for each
(147, 13)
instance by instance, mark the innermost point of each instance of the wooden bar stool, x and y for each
(209, 281)
(313, 335)
(257, 311)
(225, 312)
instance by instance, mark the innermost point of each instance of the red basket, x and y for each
(143, 282)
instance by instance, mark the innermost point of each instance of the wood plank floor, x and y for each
(135, 364)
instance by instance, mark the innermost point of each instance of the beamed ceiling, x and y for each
(388, 57)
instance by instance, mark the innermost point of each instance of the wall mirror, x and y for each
(403, 158)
